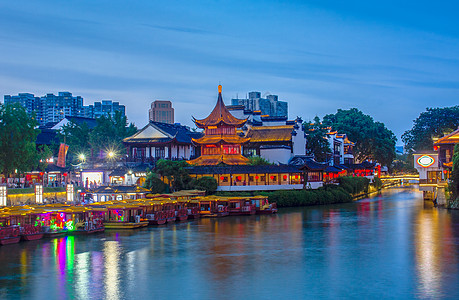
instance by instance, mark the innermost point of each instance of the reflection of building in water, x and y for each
(433, 255)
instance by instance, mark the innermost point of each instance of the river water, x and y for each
(389, 246)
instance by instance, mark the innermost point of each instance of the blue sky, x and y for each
(390, 59)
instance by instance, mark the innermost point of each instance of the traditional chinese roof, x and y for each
(212, 160)
(120, 189)
(347, 141)
(263, 134)
(307, 163)
(243, 169)
(220, 115)
(452, 138)
(215, 139)
(158, 132)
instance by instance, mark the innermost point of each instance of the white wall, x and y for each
(277, 155)
(299, 141)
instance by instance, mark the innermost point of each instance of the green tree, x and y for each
(317, 143)
(76, 136)
(205, 183)
(372, 139)
(110, 132)
(258, 161)
(176, 173)
(154, 183)
(433, 123)
(18, 134)
(454, 179)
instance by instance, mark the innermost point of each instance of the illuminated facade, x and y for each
(220, 144)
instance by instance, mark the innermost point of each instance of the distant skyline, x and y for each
(390, 59)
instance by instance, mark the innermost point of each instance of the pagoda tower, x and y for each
(220, 143)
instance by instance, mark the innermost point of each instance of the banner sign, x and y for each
(63, 148)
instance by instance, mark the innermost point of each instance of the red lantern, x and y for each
(65, 174)
(272, 177)
(222, 177)
(239, 178)
(285, 177)
(41, 173)
(256, 177)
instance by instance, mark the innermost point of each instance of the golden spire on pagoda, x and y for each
(220, 114)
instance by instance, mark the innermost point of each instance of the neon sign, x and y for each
(425, 161)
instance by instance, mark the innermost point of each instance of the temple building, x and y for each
(220, 143)
(158, 140)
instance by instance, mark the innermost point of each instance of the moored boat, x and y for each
(263, 207)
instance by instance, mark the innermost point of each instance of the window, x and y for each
(160, 152)
(231, 149)
(210, 150)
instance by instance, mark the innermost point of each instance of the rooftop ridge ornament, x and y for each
(219, 88)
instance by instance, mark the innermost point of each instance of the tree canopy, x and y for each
(454, 182)
(372, 139)
(18, 134)
(106, 136)
(154, 183)
(175, 172)
(433, 123)
(317, 144)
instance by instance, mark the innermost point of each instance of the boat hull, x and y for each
(55, 234)
(32, 237)
(85, 232)
(119, 225)
(157, 222)
(10, 240)
(182, 218)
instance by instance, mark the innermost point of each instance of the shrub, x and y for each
(154, 183)
(206, 183)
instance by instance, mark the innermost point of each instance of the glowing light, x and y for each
(81, 157)
(425, 161)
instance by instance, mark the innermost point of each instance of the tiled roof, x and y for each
(210, 160)
(214, 139)
(90, 122)
(158, 132)
(47, 137)
(264, 134)
(243, 169)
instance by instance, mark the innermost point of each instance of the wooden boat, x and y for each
(241, 206)
(154, 211)
(125, 225)
(263, 207)
(123, 215)
(213, 207)
(31, 232)
(85, 220)
(9, 235)
(192, 207)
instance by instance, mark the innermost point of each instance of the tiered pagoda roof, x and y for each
(215, 139)
(220, 115)
(212, 160)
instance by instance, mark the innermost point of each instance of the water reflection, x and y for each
(112, 269)
(434, 252)
(389, 246)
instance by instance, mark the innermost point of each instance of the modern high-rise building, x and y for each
(161, 111)
(270, 105)
(52, 109)
(49, 108)
(104, 108)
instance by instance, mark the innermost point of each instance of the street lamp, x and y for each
(111, 154)
(82, 157)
